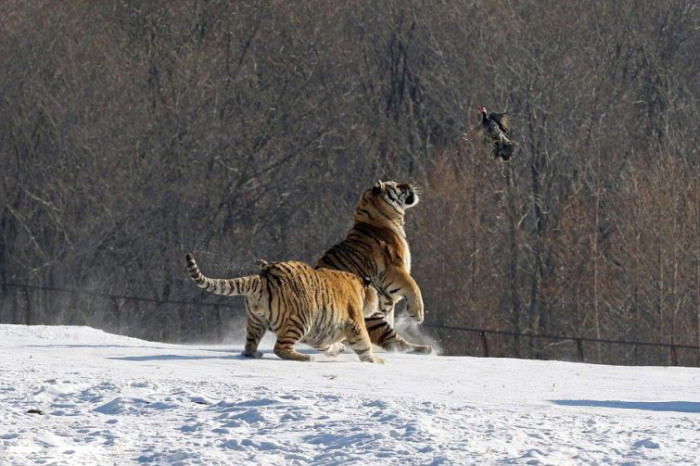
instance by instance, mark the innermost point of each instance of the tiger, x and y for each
(300, 304)
(376, 246)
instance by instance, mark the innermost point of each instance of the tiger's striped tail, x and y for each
(242, 286)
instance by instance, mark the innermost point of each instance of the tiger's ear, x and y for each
(378, 187)
(263, 264)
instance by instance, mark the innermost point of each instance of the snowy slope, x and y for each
(115, 400)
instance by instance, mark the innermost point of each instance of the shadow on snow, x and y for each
(676, 406)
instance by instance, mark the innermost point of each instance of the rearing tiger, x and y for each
(376, 246)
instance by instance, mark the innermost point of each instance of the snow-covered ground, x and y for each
(108, 399)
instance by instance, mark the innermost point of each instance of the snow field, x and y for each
(108, 399)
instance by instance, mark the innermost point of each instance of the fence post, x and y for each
(579, 348)
(28, 313)
(220, 323)
(484, 343)
(674, 356)
(117, 313)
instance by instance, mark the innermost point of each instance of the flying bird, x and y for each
(495, 128)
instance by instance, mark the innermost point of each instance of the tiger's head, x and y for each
(390, 198)
(401, 195)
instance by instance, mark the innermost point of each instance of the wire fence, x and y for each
(584, 349)
(480, 342)
(143, 317)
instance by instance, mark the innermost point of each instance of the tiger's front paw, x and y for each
(416, 311)
(334, 350)
(377, 360)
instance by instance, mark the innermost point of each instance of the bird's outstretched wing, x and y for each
(474, 133)
(502, 119)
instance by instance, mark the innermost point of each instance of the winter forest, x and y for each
(132, 133)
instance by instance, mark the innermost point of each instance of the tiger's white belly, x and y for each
(316, 338)
(324, 332)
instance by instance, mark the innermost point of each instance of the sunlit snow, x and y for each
(108, 399)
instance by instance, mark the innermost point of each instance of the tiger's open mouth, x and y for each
(411, 198)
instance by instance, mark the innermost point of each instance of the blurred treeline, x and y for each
(133, 132)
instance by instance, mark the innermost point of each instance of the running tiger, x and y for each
(376, 247)
(300, 304)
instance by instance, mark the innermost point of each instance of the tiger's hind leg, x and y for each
(358, 339)
(255, 330)
(284, 348)
(383, 335)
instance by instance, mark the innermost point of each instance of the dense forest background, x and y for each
(132, 132)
